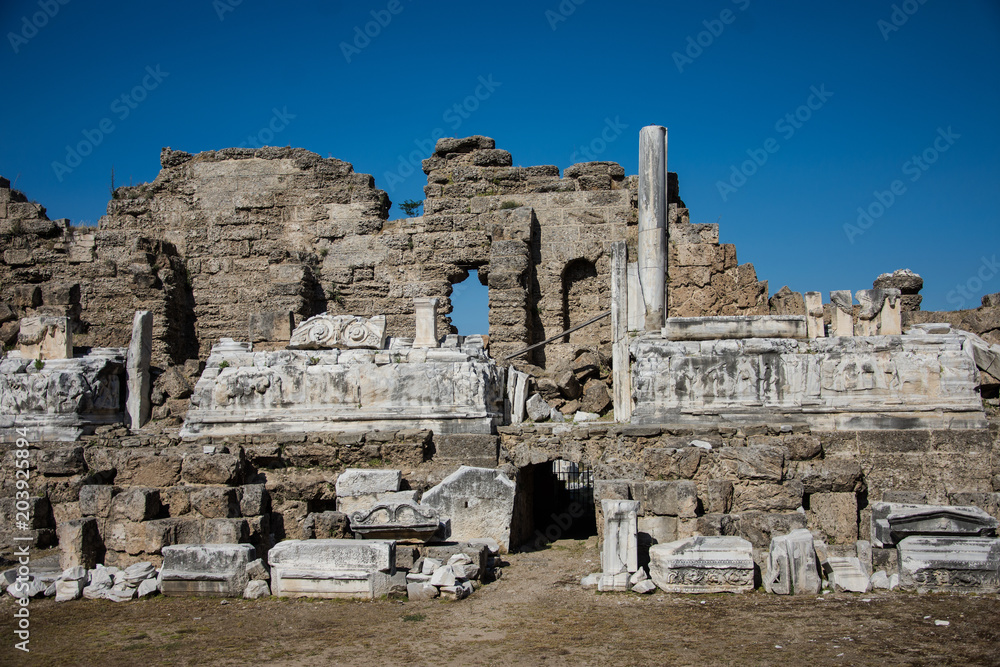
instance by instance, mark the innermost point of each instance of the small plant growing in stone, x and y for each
(39, 364)
(323, 252)
(223, 364)
(509, 205)
(411, 207)
(313, 361)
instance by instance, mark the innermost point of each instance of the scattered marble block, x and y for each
(332, 568)
(256, 589)
(847, 573)
(421, 591)
(70, 590)
(703, 565)
(644, 587)
(206, 569)
(792, 567)
(591, 580)
(478, 502)
(950, 564)
(893, 522)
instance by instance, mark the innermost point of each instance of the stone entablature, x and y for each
(61, 399)
(448, 390)
(912, 381)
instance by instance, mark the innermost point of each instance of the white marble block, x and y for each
(206, 569)
(950, 564)
(703, 565)
(140, 354)
(620, 552)
(815, 326)
(45, 338)
(426, 329)
(893, 522)
(842, 313)
(792, 567)
(332, 568)
(478, 502)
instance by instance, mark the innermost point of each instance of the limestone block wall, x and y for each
(759, 481)
(148, 492)
(96, 277)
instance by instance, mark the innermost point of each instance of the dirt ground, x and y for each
(535, 614)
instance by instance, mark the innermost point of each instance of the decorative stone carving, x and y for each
(426, 329)
(815, 327)
(950, 564)
(63, 398)
(842, 313)
(703, 565)
(332, 568)
(243, 392)
(893, 522)
(327, 332)
(741, 326)
(792, 565)
(396, 521)
(911, 381)
(206, 569)
(45, 338)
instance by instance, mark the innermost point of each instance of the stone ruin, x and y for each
(246, 364)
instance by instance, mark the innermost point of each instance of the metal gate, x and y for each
(576, 481)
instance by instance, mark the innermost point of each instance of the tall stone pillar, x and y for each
(621, 374)
(140, 353)
(653, 223)
(842, 312)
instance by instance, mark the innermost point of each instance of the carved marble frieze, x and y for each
(328, 332)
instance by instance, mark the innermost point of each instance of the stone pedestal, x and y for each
(427, 335)
(703, 565)
(893, 522)
(478, 503)
(620, 553)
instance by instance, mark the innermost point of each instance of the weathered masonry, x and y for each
(248, 351)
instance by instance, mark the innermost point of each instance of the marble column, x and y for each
(620, 554)
(137, 360)
(621, 373)
(652, 223)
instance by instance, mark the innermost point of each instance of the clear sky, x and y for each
(785, 117)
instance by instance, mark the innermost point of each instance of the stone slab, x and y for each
(206, 569)
(703, 565)
(367, 481)
(478, 502)
(950, 564)
(739, 326)
(892, 522)
(851, 383)
(332, 568)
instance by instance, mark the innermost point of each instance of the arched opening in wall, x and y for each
(470, 305)
(580, 301)
(557, 503)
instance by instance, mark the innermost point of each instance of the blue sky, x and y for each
(870, 86)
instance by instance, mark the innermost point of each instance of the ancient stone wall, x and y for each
(224, 236)
(757, 481)
(96, 277)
